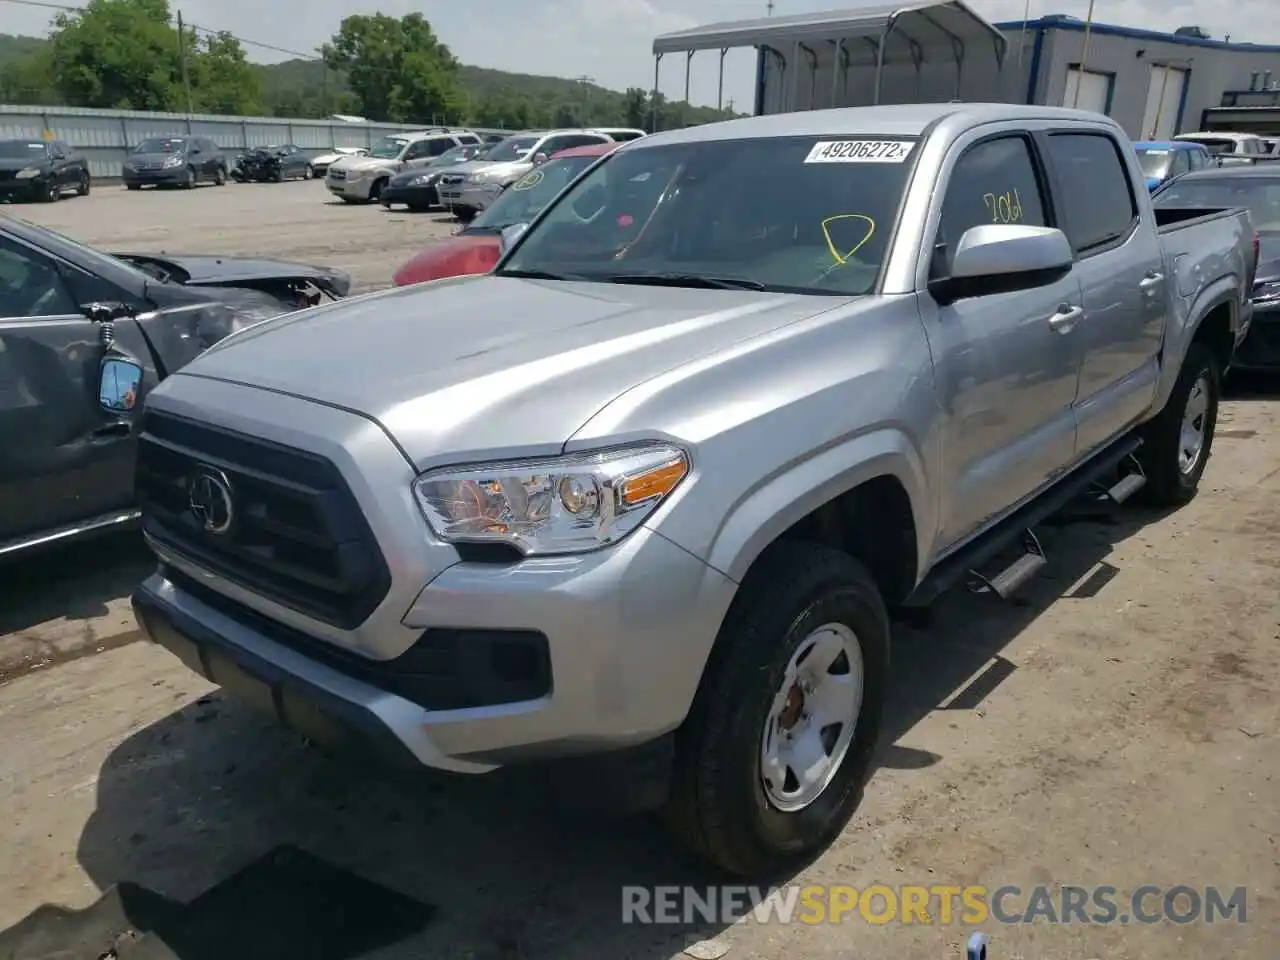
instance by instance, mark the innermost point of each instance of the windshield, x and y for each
(792, 214)
(458, 154)
(512, 148)
(388, 148)
(1155, 162)
(525, 198)
(1261, 195)
(162, 145)
(22, 149)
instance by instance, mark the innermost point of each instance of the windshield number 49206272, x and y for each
(860, 151)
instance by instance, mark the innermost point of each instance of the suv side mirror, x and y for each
(1001, 258)
(540, 158)
(118, 382)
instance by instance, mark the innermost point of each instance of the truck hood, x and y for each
(464, 368)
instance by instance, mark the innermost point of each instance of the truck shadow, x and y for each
(185, 804)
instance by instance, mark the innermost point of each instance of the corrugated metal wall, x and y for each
(105, 136)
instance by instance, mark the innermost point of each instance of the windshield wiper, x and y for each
(700, 280)
(539, 275)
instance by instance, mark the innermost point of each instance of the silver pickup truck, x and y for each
(735, 396)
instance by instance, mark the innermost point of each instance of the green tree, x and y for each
(636, 105)
(27, 79)
(222, 80)
(398, 69)
(116, 54)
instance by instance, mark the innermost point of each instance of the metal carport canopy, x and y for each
(950, 26)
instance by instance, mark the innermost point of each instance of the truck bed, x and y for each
(1169, 219)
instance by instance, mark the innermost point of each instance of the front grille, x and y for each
(452, 179)
(337, 174)
(296, 534)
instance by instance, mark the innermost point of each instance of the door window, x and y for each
(1100, 209)
(30, 285)
(1181, 162)
(995, 181)
(439, 146)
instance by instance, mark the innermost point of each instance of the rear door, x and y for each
(1120, 265)
(1006, 363)
(63, 460)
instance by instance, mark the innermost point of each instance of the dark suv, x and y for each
(174, 161)
(35, 169)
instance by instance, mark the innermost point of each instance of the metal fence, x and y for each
(105, 136)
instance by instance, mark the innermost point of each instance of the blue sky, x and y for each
(609, 40)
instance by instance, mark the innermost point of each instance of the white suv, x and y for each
(361, 179)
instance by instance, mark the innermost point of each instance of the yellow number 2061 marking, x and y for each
(1005, 207)
(842, 258)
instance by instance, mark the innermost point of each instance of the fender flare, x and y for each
(1223, 291)
(783, 498)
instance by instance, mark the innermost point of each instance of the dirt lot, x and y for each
(1118, 726)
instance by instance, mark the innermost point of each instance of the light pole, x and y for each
(1084, 54)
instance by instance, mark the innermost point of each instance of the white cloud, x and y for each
(609, 40)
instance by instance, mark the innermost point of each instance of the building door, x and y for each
(1164, 97)
(1094, 90)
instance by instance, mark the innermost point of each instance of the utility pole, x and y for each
(1084, 54)
(769, 7)
(182, 57)
(586, 95)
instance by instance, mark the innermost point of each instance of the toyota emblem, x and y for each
(209, 496)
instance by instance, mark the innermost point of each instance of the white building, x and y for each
(1153, 84)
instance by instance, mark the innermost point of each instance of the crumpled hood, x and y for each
(460, 368)
(203, 270)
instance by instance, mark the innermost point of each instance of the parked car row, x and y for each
(428, 168)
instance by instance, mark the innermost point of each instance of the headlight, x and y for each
(173, 161)
(1266, 291)
(551, 506)
(28, 173)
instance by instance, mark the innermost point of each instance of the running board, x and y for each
(108, 522)
(980, 552)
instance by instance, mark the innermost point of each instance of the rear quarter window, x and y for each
(1098, 205)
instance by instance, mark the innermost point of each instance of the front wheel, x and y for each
(190, 182)
(1177, 443)
(375, 191)
(220, 177)
(308, 172)
(52, 191)
(771, 762)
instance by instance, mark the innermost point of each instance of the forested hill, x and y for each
(306, 88)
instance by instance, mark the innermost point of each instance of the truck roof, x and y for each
(902, 120)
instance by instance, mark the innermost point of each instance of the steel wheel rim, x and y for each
(812, 719)
(1191, 435)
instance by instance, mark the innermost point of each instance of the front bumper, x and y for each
(155, 177)
(625, 633)
(1260, 348)
(470, 196)
(413, 196)
(30, 189)
(350, 189)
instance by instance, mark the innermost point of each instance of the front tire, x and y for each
(375, 191)
(190, 182)
(308, 173)
(220, 177)
(52, 191)
(1177, 443)
(772, 760)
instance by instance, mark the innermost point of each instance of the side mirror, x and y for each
(540, 158)
(106, 312)
(118, 382)
(1001, 258)
(510, 234)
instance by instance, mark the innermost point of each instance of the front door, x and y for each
(1121, 270)
(1006, 363)
(62, 458)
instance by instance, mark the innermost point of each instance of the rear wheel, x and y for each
(85, 184)
(278, 175)
(220, 177)
(1177, 443)
(771, 762)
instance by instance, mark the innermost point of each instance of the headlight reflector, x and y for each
(28, 174)
(551, 506)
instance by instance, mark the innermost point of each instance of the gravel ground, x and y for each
(1116, 726)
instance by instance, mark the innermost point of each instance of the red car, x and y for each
(474, 249)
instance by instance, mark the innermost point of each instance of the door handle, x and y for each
(111, 431)
(1066, 318)
(1151, 280)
